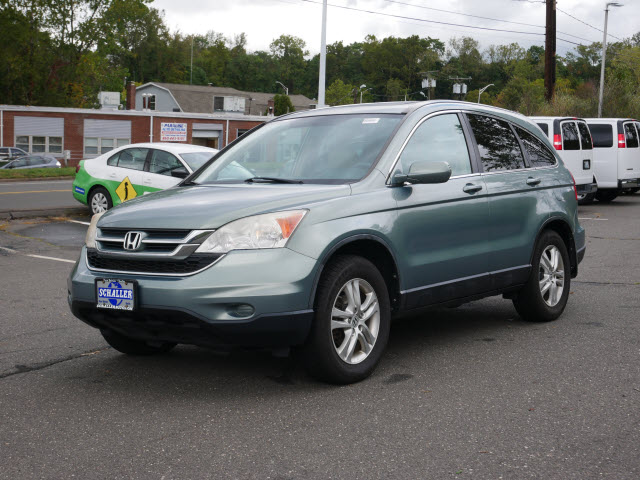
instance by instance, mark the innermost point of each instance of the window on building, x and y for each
(39, 144)
(98, 146)
(242, 131)
(151, 102)
(498, 146)
(218, 104)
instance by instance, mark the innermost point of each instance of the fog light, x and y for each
(240, 310)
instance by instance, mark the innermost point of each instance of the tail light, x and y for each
(575, 189)
(77, 168)
(621, 141)
(557, 142)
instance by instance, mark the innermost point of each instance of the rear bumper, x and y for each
(587, 188)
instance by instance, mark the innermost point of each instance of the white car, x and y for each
(571, 137)
(616, 155)
(133, 170)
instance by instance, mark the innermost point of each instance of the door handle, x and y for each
(471, 188)
(533, 181)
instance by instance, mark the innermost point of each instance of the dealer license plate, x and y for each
(115, 294)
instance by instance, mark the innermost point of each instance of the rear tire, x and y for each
(545, 295)
(606, 196)
(351, 324)
(99, 200)
(131, 346)
(586, 199)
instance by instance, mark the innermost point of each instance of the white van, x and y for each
(571, 137)
(616, 152)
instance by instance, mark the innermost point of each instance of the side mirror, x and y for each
(424, 172)
(180, 173)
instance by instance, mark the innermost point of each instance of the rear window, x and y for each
(602, 135)
(539, 155)
(498, 145)
(545, 128)
(585, 136)
(570, 140)
(631, 135)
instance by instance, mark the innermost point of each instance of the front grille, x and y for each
(180, 243)
(163, 266)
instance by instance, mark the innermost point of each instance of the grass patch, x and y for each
(38, 172)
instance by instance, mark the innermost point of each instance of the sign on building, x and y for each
(173, 132)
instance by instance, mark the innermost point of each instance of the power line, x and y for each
(484, 18)
(404, 17)
(587, 24)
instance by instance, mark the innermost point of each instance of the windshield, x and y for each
(196, 159)
(329, 149)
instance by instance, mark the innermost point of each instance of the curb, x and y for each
(35, 179)
(43, 212)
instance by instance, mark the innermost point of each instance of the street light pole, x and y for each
(362, 87)
(481, 91)
(286, 90)
(604, 53)
(323, 56)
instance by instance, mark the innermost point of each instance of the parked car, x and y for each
(337, 220)
(10, 153)
(33, 161)
(617, 156)
(135, 169)
(570, 136)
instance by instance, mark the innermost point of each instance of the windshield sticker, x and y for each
(370, 120)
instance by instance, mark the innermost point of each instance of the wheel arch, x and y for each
(374, 249)
(562, 228)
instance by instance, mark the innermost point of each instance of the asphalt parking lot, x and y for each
(471, 392)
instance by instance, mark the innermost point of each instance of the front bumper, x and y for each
(629, 183)
(586, 188)
(198, 309)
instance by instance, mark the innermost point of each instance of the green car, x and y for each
(315, 229)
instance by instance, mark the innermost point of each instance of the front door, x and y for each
(442, 229)
(161, 171)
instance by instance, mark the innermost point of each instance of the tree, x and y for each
(282, 104)
(288, 53)
(339, 93)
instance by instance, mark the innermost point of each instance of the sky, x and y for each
(265, 20)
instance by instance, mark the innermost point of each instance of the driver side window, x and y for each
(439, 139)
(164, 163)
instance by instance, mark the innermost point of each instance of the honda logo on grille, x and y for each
(133, 240)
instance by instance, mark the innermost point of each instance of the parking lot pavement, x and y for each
(36, 195)
(471, 392)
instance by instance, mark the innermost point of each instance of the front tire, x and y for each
(351, 325)
(544, 296)
(99, 200)
(131, 346)
(586, 199)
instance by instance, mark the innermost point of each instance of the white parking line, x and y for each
(11, 250)
(591, 218)
(78, 221)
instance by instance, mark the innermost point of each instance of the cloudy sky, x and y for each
(264, 20)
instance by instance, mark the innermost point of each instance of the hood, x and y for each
(211, 206)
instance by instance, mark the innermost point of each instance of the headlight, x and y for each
(271, 230)
(90, 239)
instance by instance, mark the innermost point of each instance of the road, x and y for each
(36, 195)
(472, 392)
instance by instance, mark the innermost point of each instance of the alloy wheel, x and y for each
(355, 321)
(551, 275)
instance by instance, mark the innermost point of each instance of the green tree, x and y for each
(282, 104)
(339, 93)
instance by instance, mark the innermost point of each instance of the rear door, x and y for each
(514, 199)
(572, 152)
(442, 229)
(629, 157)
(125, 173)
(161, 169)
(605, 154)
(586, 148)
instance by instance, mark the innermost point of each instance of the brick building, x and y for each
(86, 133)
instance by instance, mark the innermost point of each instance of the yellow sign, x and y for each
(125, 190)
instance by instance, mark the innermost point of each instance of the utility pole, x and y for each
(604, 54)
(323, 56)
(191, 70)
(550, 51)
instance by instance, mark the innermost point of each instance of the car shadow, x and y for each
(199, 372)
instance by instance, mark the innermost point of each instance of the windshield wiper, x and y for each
(271, 179)
(190, 182)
